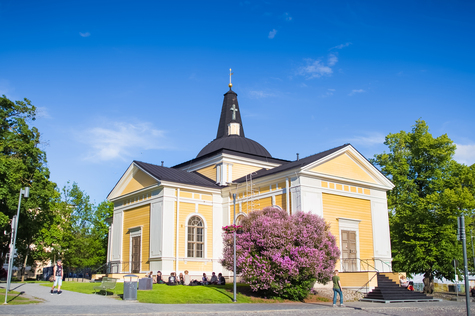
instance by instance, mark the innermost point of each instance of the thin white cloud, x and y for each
(287, 17)
(328, 93)
(465, 154)
(332, 59)
(368, 140)
(272, 33)
(355, 91)
(260, 94)
(121, 140)
(87, 34)
(317, 68)
(341, 46)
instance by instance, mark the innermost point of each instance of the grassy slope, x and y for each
(164, 294)
(179, 294)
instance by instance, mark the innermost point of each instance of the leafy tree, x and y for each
(431, 191)
(78, 233)
(22, 164)
(282, 255)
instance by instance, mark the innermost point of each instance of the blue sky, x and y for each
(116, 81)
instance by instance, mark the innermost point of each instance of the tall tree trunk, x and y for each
(428, 282)
(23, 269)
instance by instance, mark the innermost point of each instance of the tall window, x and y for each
(195, 237)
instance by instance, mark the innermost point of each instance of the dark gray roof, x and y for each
(231, 152)
(293, 164)
(176, 175)
(235, 143)
(230, 98)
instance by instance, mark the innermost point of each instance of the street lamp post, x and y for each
(473, 252)
(234, 223)
(26, 193)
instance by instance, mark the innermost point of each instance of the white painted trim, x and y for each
(351, 225)
(177, 227)
(205, 235)
(287, 195)
(359, 159)
(135, 232)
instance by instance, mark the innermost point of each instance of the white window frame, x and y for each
(351, 225)
(205, 236)
(135, 232)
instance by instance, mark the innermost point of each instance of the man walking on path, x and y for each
(58, 277)
(337, 289)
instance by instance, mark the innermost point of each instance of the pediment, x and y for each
(348, 164)
(134, 179)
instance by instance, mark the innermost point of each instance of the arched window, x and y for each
(195, 237)
(239, 219)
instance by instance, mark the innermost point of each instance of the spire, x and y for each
(230, 121)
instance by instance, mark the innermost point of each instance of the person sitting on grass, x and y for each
(187, 278)
(172, 279)
(181, 279)
(204, 280)
(158, 279)
(214, 279)
(149, 275)
(221, 279)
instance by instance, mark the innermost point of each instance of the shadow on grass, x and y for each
(9, 300)
(222, 290)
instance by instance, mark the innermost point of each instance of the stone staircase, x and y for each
(389, 291)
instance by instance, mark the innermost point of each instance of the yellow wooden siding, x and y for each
(209, 172)
(281, 185)
(240, 170)
(344, 166)
(194, 266)
(206, 197)
(139, 181)
(324, 184)
(264, 189)
(281, 200)
(335, 206)
(366, 191)
(185, 194)
(185, 210)
(357, 279)
(339, 187)
(207, 212)
(136, 217)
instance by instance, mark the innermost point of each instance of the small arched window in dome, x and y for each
(195, 237)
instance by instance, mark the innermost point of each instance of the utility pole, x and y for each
(26, 193)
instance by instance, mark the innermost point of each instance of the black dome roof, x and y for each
(236, 143)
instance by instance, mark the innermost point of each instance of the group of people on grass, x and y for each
(185, 279)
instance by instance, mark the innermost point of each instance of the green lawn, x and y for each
(179, 294)
(15, 298)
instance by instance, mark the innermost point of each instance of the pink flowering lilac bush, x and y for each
(282, 255)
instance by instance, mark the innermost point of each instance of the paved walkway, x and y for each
(72, 303)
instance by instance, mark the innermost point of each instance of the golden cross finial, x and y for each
(230, 74)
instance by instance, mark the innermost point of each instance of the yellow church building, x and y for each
(171, 219)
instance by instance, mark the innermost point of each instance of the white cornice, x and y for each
(177, 185)
(229, 158)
